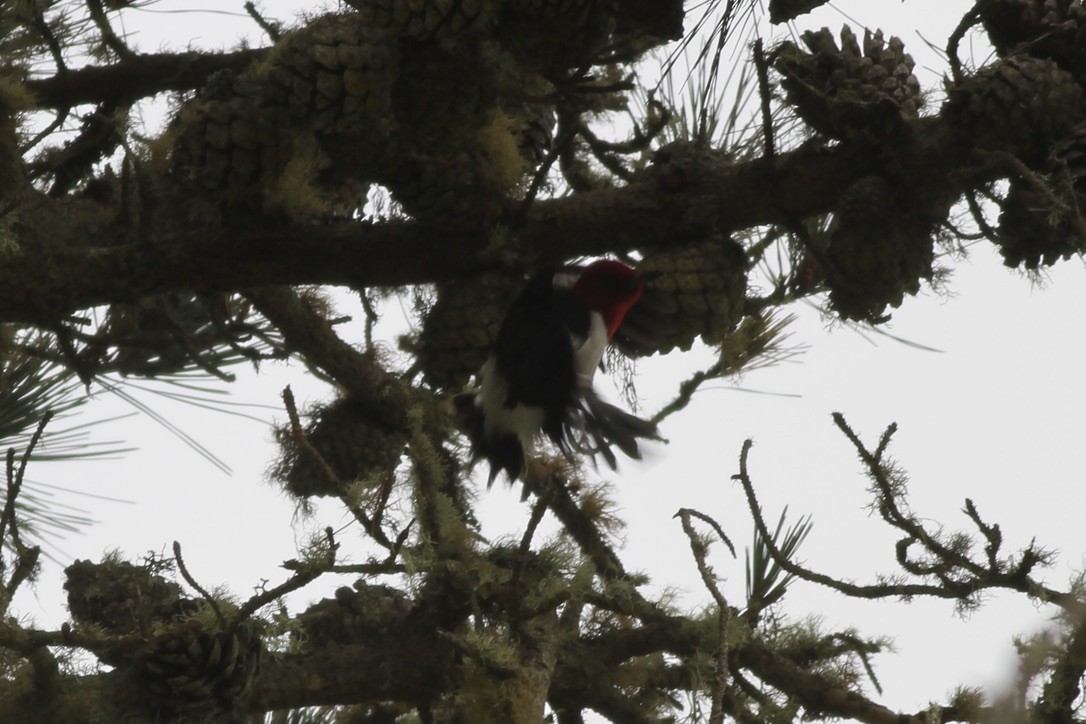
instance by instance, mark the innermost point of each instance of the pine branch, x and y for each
(109, 36)
(642, 215)
(138, 76)
(721, 673)
(958, 577)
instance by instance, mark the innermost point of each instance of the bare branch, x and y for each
(762, 66)
(720, 675)
(977, 577)
(301, 439)
(8, 520)
(109, 37)
(135, 77)
(271, 28)
(183, 569)
(299, 580)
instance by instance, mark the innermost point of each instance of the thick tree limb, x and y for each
(343, 674)
(671, 206)
(414, 673)
(135, 77)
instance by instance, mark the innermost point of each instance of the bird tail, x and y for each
(609, 426)
(502, 452)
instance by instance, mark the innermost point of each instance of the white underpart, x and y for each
(566, 279)
(525, 421)
(588, 353)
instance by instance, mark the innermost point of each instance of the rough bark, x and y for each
(673, 206)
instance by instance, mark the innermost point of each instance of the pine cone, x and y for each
(336, 73)
(847, 92)
(425, 19)
(1020, 105)
(533, 127)
(229, 144)
(445, 94)
(350, 441)
(1038, 228)
(460, 328)
(466, 154)
(1054, 29)
(240, 135)
(878, 252)
(475, 184)
(191, 667)
(121, 597)
(361, 615)
(701, 290)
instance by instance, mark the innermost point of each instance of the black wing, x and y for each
(534, 355)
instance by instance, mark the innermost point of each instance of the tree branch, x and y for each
(136, 76)
(666, 208)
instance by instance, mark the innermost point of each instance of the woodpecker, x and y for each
(538, 378)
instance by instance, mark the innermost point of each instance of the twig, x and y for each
(890, 509)
(980, 578)
(383, 494)
(977, 213)
(25, 564)
(373, 568)
(73, 359)
(192, 582)
(720, 675)
(687, 388)
(762, 68)
(538, 511)
(968, 20)
(564, 137)
(184, 340)
(310, 336)
(42, 27)
(15, 478)
(686, 513)
(272, 29)
(62, 115)
(553, 488)
(301, 439)
(371, 317)
(991, 533)
(584, 531)
(863, 650)
(98, 15)
(300, 579)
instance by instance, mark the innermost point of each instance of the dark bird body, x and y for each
(539, 375)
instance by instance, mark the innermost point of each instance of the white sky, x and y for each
(996, 415)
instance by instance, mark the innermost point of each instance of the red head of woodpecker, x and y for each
(539, 375)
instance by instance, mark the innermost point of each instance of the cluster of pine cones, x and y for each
(184, 662)
(1029, 105)
(1034, 105)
